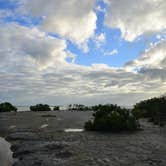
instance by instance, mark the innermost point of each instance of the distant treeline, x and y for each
(78, 107)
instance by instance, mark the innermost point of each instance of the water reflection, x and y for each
(73, 130)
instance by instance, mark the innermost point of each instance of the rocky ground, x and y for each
(38, 139)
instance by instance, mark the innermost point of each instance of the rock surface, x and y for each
(5, 153)
(52, 146)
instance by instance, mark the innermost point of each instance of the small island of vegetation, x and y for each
(112, 118)
(40, 107)
(7, 107)
(78, 107)
(56, 108)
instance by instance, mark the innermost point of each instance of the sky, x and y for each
(87, 52)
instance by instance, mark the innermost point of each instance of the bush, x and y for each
(88, 125)
(112, 118)
(40, 107)
(7, 107)
(153, 109)
(78, 107)
(56, 108)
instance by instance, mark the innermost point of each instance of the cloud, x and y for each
(153, 57)
(36, 67)
(74, 83)
(135, 18)
(18, 43)
(23, 51)
(61, 82)
(113, 52)
(99, 39)
(100, 9)
(106, 1)
(5, 13)
(151, 64)
(74, 20)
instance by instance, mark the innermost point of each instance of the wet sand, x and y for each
(38, 138)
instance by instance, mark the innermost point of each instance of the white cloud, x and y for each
(135, 18)
(152, 65)
(23, 51)
(18, 43)
(74, 83)
(75, 20)
(99, 39)
(100, 9)
(154, 57)
(106, 1)
(113, 52)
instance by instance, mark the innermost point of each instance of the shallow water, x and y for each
(5, 153)
(73, 130)
(44, 126)
(22, 108)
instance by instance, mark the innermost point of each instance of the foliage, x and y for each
(89, 125)
(56, 108)
(112, 118)
(40, 107)
(78, 107)
(154, 109)
(7, 107)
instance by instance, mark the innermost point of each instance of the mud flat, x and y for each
(41, 140)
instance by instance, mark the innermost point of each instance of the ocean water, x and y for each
(23, 108)
(26, 108)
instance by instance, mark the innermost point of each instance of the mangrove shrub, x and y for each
(112, 118)
(7, 107)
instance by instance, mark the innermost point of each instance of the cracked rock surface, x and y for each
(51, 146)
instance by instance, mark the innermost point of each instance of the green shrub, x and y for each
(40, 107)
(138, 113)
(56, 108)
(78, 107)
(7, 107)
(112, 118)
(153, 109)
(88, 125)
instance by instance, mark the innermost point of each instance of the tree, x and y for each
(56, 108)
(40, 107)
(7, 107)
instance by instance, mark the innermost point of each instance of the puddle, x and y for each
(44, 126)
(6, 158)
(12, 127)
(73, 130)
